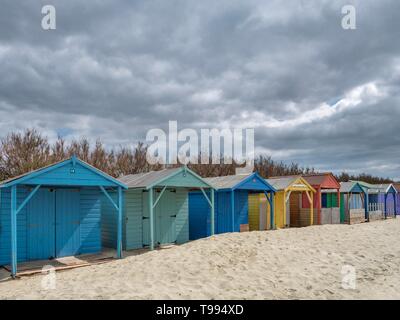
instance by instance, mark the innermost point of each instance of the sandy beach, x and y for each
(303, 263)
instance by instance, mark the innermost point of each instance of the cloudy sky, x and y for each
(315, 93)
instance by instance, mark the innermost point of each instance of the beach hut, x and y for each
(397, 187)
(382, 200)
(55, 212)
(231, 204)
(288, 210)
(353, 202)
(326, 207)
(156, 208)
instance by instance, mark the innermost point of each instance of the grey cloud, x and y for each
(123, 67)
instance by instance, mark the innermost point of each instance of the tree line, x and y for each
(30, 150)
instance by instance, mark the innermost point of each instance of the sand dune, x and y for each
(301, 263)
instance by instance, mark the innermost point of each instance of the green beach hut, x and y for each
(156, 208)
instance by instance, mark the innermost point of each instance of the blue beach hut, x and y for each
(231, 204)
(55, 212)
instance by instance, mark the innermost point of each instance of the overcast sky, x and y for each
(315, 93)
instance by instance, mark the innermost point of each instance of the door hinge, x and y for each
(174, 216)
(145, 218)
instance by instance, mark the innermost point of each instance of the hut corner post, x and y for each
(13, 231)
(270, 197)
(319, 205)
(385, 205)
(366, 200)
(395, 204)
(119, 245)
(151, 219)
(212, 213)
(233, 209)
(212, 208)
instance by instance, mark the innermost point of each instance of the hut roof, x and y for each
(324, 180)
(163, 177)
(43, 175)
(285, 182)
(249, 182)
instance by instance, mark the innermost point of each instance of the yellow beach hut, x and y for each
(289, 210)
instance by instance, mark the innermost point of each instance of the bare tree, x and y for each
(23, 152)
(27, 151)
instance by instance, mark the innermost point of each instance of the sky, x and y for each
(315, 94)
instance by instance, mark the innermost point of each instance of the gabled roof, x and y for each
(364, 184)
(287, 182)
(386, 187)
(351, 186)
(39, 176)
(163, 177)
(322, 180)
(378, 188)
(245, 182)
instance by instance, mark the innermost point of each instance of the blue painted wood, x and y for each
(30, 195)
(200, 216)
(120, 215)
(385, 205)
(107, 195)
(233, 210)
(109, 220)
(67, 222)
(5, 226)
(356, 201)
(66, 173)
(254, 182)
(212, 218)
(392, 190)
(230, 209)
(75, 221)
(357, 188)
(14, 230)
(241, 209)
(223, 216)
(90, 220)
(224, 220)
(41, 234)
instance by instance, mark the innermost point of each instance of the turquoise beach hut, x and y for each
(156, 208)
